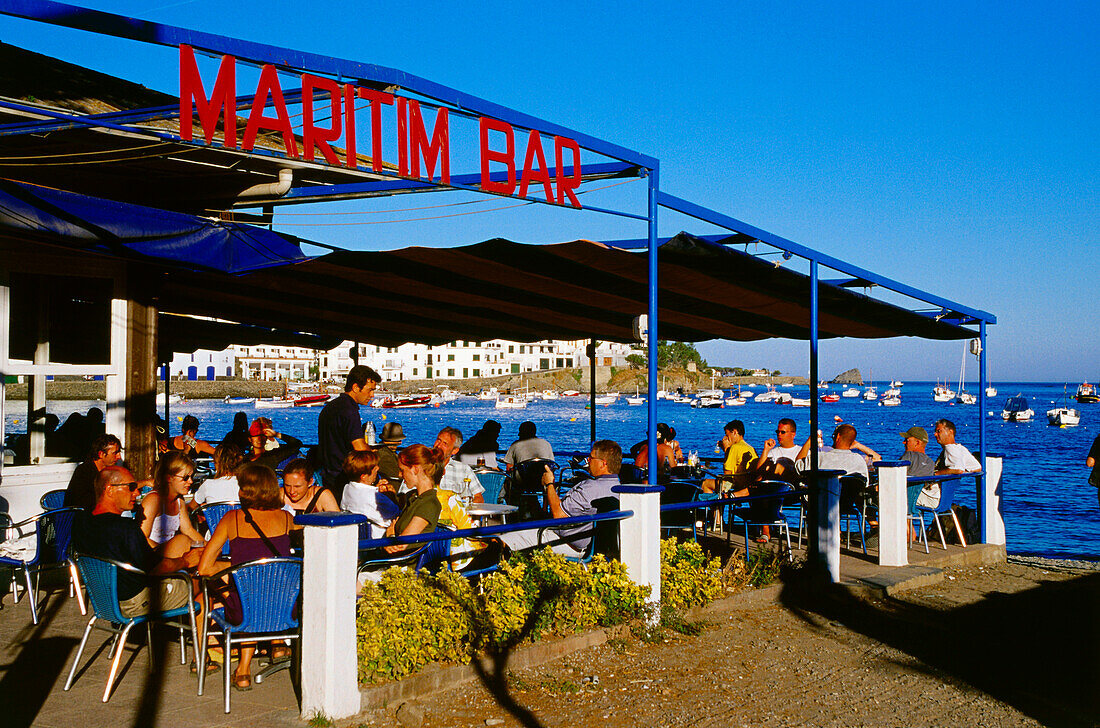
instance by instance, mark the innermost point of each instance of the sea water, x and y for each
(1049, 507)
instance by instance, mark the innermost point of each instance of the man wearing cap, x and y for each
(340, 427)
(920, 465)
(392, 436)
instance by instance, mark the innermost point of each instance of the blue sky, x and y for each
(951, 146)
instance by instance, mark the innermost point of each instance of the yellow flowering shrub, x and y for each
(688, 578)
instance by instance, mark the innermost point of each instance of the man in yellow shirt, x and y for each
(740, 465)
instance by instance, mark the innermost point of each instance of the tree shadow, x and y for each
(490, 655)
(36, 669)
(1035, 650)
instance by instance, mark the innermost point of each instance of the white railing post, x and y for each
(893, 504)
(330, 672)
(640, 537)
(991, 500)
(827, 533)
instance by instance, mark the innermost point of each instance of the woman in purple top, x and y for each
(260, 529)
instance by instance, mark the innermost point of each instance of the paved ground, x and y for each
(1003, 645)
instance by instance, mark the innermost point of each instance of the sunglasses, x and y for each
(131, 485)
(183, 477)
(782, 432)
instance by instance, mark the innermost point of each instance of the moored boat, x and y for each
(570, 393)
(239, 400)
(849, 393)
(870, 394)
(415, 401)
(607, 399)
(940, 393)
(1064, 416)
(1086, 394)
(273, 403)
(312, 400)
(172, 399)
(891, 401)
(1016, 409)
(800, 402)
(831, 397)
(511, 401)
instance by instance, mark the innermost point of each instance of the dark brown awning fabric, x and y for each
(502, 289)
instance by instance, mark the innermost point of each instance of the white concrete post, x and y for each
(893, 545)
(991, 500)
(828, 525)
(330, 673)
(640, 537)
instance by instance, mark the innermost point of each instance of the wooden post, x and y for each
(141, 386)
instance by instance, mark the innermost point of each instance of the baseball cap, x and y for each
(918, 433)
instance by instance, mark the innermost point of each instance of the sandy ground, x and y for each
(1009, 645)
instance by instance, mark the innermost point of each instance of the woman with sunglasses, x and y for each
(164, 519)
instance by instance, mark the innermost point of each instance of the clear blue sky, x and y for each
(951, 145)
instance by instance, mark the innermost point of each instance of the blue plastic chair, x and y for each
(767, 511)
(493, 483)
(430, 556)
(53, 500)
(851, 506)
(268, 590)
(912, 492)
(214, 513)
(100, 576)
(53, 530)
(947, 497)
(680, 491)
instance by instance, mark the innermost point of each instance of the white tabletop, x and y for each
(490, 509)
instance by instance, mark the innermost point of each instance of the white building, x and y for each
(202, 364)
(268, 362)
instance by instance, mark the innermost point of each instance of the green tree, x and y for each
(636, 361)
(777, 373)
(678, 354)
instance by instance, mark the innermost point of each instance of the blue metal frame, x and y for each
(651, 325)
(983, 516)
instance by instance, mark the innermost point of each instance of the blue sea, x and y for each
(1050, 509)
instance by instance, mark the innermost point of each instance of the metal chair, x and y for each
(912, 517)
(100, 576)
(767, 511)
(53, 499)
(53, 531)
(493, 483)
(679, 491)
(947, 497)
(268, 590)
(430, 556)
(604, 538)
(852, 488)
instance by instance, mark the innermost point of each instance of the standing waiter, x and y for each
(340, 428)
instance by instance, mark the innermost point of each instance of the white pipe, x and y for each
(271, 189)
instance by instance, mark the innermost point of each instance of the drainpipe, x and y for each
(271, 189)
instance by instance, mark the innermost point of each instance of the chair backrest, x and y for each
(268, 590)
(492, 483)
(947, 494)
(100, 578)
(679, 491)
(912, 492)
(215, 512)
(606, 533)
(55, 532)
(851, 491)
(770, 509)
(630, 473)
(53, 499)
(434, 557)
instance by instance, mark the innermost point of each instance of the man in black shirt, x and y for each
(340, 427)
(106, 450)
(107, 534)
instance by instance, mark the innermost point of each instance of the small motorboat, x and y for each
(608, 399)
(966, 398)
(1016, 409)
(273, 403)
(414, 401)
(870, 394)
(570, 393)
(511, 401)
(487, 394)
(1086, 394)
(784, 398)
(800, 401)
(549, 395)
(849, 393)
(312, 400)
(172, 399)
(709, 400)
(891, 401)
(940, 393)
(896, 384)
(767, 396)
(831, 397)
(239, 400)
(1064, 416)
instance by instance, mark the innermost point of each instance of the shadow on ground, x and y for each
(1036, 650)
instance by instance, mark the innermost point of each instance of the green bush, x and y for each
(408, 620)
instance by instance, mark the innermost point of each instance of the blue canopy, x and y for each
(120, 228)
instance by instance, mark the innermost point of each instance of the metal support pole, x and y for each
(813, 516)
(982, 481)
(651, 389)
(167, 379)
(592, 390)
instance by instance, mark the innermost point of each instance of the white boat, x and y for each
(172, 399)
(897, 384)
(662, 394)
(800, 402)
(511, 401)
(891, 401)
(239, 400)
(708, 400)
(990, 391)
(1086, 394)
(735, 400)
(787, 384)
(1016, 409)
(446, 394)
(607, 399)
(274, 403)
(550, 394)
(966, 398)
(940, 393)
(488, 394)
(892, 392)
(870, 394)
(783, 398)
(637, 399)
(850, 392)
(963, 396)
(571, 393)
(769, 396)
(1064, 416)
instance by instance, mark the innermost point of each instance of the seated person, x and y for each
(301, 494)
(458, 477)
(106, 450)
(585, 498)
(187, 442)
(841, 456)
(107, 534)
(365, 494)
(392, 436)
(223, 487)
(239, 435)
(666, 455)
(266, 449)
(165, 520)
(528, 447)
(740, 464)
(259, 529)
(422, 470)
(777, 459)
(481, 449)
